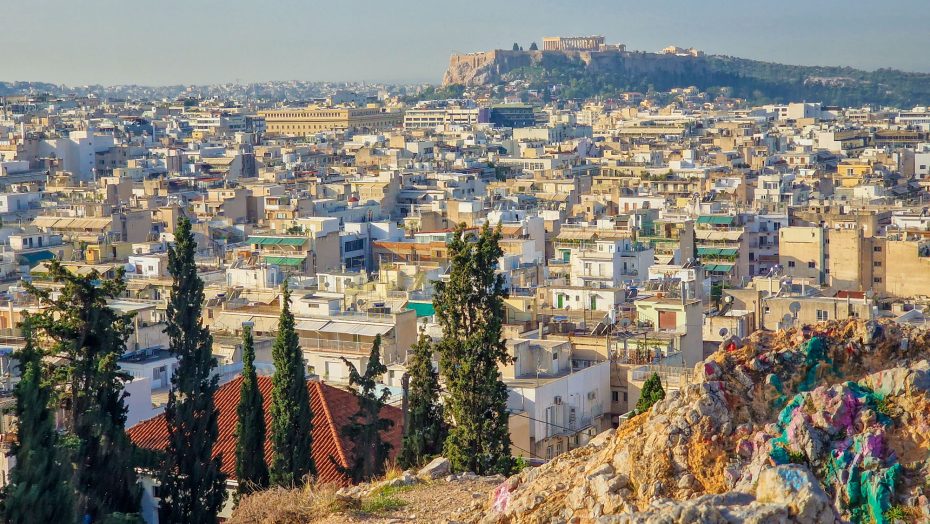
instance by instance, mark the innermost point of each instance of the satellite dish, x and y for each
(794, 307)
(728, 299)
(724, 332)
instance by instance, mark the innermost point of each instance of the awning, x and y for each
(33, 259)
(278, 241)
(284, 261)
(422, 309)
(715, 220)
(350, 328)
(719, 268)
(310, 325)
(720, 252)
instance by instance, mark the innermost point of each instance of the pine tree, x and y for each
(251, 469)
(516, 46)
(534, 47)
(40, 488)
(426, 430)
(470, 309)
(91, 337)
(192, 484)
(652, 392)
(291, 418)
(365, 426)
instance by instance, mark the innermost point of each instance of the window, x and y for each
(877, 249)
(549, 453)
(624, 396)
(615, 396)
(791, 263)
(821, 315)
(876, 264)
(877, 280)
(811, 264)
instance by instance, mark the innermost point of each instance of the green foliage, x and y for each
(122, 518)
(291, 418)
(91, 337)
(758, 82)
(382, 503)
(652, 393)
(519, 464)
(897, 514)
(251, 469)
(40, 488)
(194, 487)
(534, 47)
(366, 425)
(426, 430)
(470, 309)
(439, 93)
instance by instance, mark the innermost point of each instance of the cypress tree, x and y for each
(652, 392)
(426, 430)
(91, 337)
(470, 309)
(40, 489)
(365, 426)
(192, 484)
(291, 418)
(251, 470)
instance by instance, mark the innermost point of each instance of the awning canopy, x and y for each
(310, 325)
(422, 309)
(284, 261)
(715, 220)
(278, 241)
(351, 328)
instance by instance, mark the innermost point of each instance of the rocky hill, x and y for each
(584, 74)
(790, 427)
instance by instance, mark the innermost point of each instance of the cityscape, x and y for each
(567, 280)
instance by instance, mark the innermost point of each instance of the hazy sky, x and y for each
(212, 41)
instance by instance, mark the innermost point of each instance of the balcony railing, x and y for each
(340, 346)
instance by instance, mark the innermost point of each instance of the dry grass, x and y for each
(292, 506)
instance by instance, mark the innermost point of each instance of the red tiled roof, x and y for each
(331, 407)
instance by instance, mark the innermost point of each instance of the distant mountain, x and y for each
(585, 74)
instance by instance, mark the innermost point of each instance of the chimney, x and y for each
(542, 330)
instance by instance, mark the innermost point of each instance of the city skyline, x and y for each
(211, 42)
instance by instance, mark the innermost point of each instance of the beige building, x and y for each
(293, 121)
(802, 253)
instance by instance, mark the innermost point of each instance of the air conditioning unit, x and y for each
(557, 401)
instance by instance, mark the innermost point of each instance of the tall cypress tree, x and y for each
(40, 489)
(470, 309)
(251, 469)
(426, 430)
(291, 418)
(91, 337)
(365, 426)
(192, 484)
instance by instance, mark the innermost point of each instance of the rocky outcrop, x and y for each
(798, 426)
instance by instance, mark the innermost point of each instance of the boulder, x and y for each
(796, 487)
(437, 468)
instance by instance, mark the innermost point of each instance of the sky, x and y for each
(162, 42)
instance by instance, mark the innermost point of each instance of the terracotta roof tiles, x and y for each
(331, 408)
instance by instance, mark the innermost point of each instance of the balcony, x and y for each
(334, 346)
